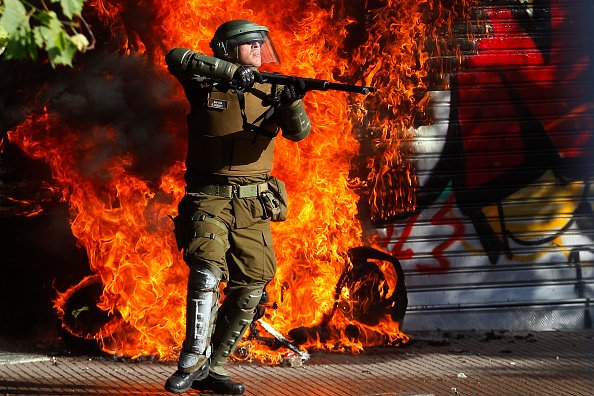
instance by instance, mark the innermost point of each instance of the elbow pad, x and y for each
(295, 122)
(178, 60)
(184, 62)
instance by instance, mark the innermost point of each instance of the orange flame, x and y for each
(402, 55)
(122, 220)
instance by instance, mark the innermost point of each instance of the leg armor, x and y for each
(234, 318)
(202, 305)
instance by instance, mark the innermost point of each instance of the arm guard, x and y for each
(294, 121)
(184, 64)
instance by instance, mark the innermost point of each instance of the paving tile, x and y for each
(510, 363)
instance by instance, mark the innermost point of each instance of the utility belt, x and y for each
(229, 191)
(271, 194)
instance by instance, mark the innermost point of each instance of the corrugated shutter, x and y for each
(503, 235)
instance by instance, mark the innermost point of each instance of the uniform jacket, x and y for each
(218, 144)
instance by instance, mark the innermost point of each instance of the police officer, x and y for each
(223, 224)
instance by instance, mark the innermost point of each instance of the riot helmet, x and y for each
(230, 35)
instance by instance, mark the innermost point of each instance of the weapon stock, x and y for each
(312, 84)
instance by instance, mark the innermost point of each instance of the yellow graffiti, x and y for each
(537, 211)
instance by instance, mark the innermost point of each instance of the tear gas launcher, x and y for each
(312, 84)
(185, 63)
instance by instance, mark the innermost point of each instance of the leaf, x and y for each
(14, 16)
(49, 19)
(63, 52)
(39, 36)
(70, 7)
(21, 44)
(61, 40)
(45, 37)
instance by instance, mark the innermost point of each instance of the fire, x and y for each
(121, 218)
(403, 45)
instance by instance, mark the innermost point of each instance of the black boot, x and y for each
(181, 381)
(202, 305)
(224, 385)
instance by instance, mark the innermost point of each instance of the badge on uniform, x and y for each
(219, 104)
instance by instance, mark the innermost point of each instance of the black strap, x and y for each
(253, 127)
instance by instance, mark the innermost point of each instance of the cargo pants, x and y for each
(230, 233)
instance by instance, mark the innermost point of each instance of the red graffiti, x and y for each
(402, 239)
(440, 219)
(524, 87)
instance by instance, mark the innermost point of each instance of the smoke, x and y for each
(110, 106)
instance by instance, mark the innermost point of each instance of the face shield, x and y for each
(256, 38)
(233, 38)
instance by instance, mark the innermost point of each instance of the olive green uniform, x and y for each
(221, 152)
(223, 224)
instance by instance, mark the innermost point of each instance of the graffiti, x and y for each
(397, 247)
(514, 157)
(438, 251)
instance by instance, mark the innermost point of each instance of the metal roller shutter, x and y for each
(502, 238)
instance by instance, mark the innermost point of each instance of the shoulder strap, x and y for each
(252, 126)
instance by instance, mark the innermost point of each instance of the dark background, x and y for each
(38, 255)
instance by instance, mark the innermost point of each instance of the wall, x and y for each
(503, 235)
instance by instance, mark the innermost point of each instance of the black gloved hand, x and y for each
(245, 77)
(293, 91)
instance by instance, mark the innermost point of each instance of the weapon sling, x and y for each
(252, 126)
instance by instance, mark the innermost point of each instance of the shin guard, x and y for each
(234, 318)
(202, 304)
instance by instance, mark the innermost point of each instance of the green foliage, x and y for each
(26, 29)
(70, 7)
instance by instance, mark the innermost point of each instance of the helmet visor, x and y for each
(262, 38)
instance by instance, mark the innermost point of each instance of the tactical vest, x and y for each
(218, 143)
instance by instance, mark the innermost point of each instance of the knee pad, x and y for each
(247, 298)
(204, 277)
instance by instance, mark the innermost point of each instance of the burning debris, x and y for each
(282, 339)
(83, 323)
(114, 142)
(363, 297)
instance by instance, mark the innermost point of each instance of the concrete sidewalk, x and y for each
(464, 363)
